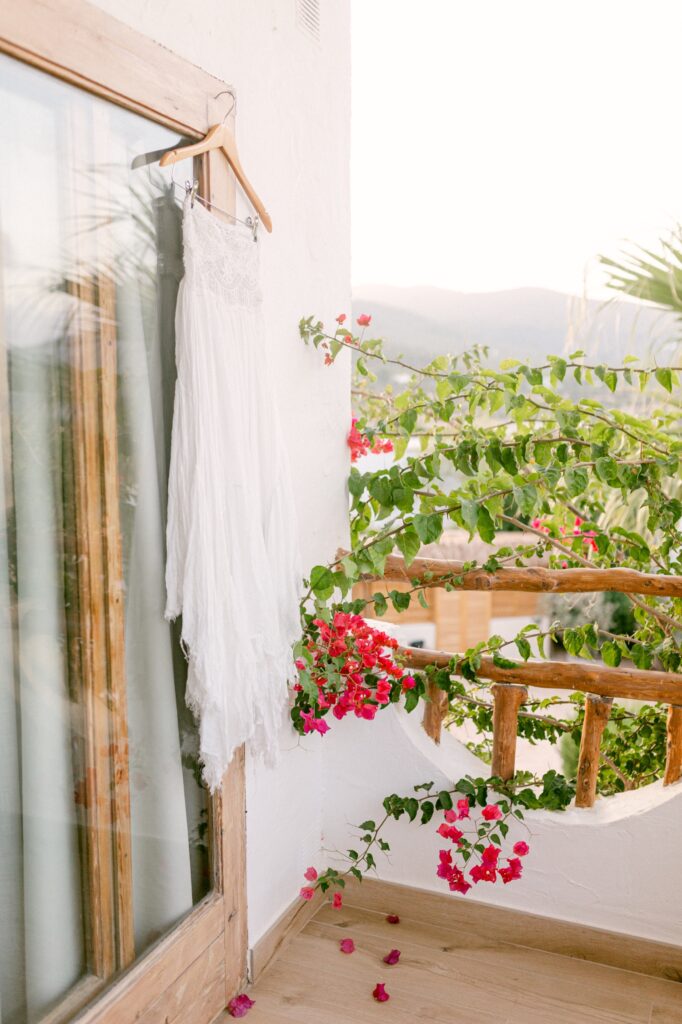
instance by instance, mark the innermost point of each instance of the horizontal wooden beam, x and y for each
(533, 578)
(586, 677)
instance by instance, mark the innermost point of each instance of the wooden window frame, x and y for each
(191, 973)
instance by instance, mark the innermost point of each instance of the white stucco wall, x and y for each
(293, 122)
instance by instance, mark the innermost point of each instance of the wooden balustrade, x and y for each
(599, 683)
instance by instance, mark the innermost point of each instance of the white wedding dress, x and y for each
(233, 569)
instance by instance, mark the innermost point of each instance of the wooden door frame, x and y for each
(192, 972)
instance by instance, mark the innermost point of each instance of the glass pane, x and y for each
(90, 261)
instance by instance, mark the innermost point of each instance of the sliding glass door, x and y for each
(103, 821)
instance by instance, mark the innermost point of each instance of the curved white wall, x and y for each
(615, 866)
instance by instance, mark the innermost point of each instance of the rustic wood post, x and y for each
(673, 755)
(507, 699)
(434, 711)
(597, 711)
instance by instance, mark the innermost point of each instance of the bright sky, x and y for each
(504, 143)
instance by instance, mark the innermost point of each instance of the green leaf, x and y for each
(664, 377)
(368, 826)
(469, 513)
(611, 654)
(526, 498)
(411, 806)
(429, 528)
(486, 525)
(321, 582)
(576, 481)
(444, 800)
(523, 647)
(381, 489)
(408, 420)
(641, 656)
(380, 604)
(408, 543)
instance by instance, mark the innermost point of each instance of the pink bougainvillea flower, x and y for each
(240, 1005)
(513, 871)
(307, 893)
(341, 318)
(483, 873)
(337, 901)
(521, 848)
(312, 724)
(463, 808)
(490, 856)
(392, 957)
(380, 446)
(449, 832)
(347, 946)
(408, 682)
(357, 442)
(310, 874)
(364, 320)
(491, 813)
(393, 919)
(380, 993)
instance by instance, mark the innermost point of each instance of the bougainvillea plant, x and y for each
(582, 460)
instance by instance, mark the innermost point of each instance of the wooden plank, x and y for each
(197, 995)
(533, 578)
(157, 970)
(586, 677)
(94, 680)
(80, 44)
(286, 927)
(597, 711)
(507, 699)
(481, 921)
(114, 595)
(673, 754)
(234, 875)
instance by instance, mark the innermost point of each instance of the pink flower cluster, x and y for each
(487, 869)
(360, 445)
(587, 535)
(353, 669)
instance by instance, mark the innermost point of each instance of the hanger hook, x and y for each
(233, 108)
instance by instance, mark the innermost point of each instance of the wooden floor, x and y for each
(445, 976)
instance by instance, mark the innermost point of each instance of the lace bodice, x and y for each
(223, 258)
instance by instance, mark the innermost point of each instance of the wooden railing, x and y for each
(510, 684)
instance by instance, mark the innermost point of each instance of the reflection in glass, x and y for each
(103, 823)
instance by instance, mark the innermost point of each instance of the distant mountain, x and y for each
(527, 323)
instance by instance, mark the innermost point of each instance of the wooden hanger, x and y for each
(220, 137)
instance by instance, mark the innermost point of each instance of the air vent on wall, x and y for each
(308, 17)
